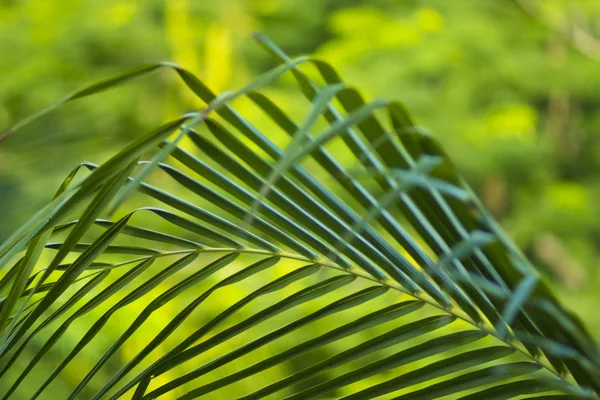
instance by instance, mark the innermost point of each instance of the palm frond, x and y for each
(353, 261)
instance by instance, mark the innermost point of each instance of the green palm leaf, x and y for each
(354, 262)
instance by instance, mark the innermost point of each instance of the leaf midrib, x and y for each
(484, 327)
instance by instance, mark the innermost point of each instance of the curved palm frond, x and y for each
(352, 261)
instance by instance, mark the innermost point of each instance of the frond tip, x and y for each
(251, 269)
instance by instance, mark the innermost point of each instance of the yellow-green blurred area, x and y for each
(510, 87)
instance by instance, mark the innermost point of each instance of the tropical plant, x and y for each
(358, 225)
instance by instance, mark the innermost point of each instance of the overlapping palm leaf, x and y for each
(349, 260)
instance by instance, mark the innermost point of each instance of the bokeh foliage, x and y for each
(505, 85)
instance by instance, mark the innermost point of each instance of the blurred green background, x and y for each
(510, 87)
